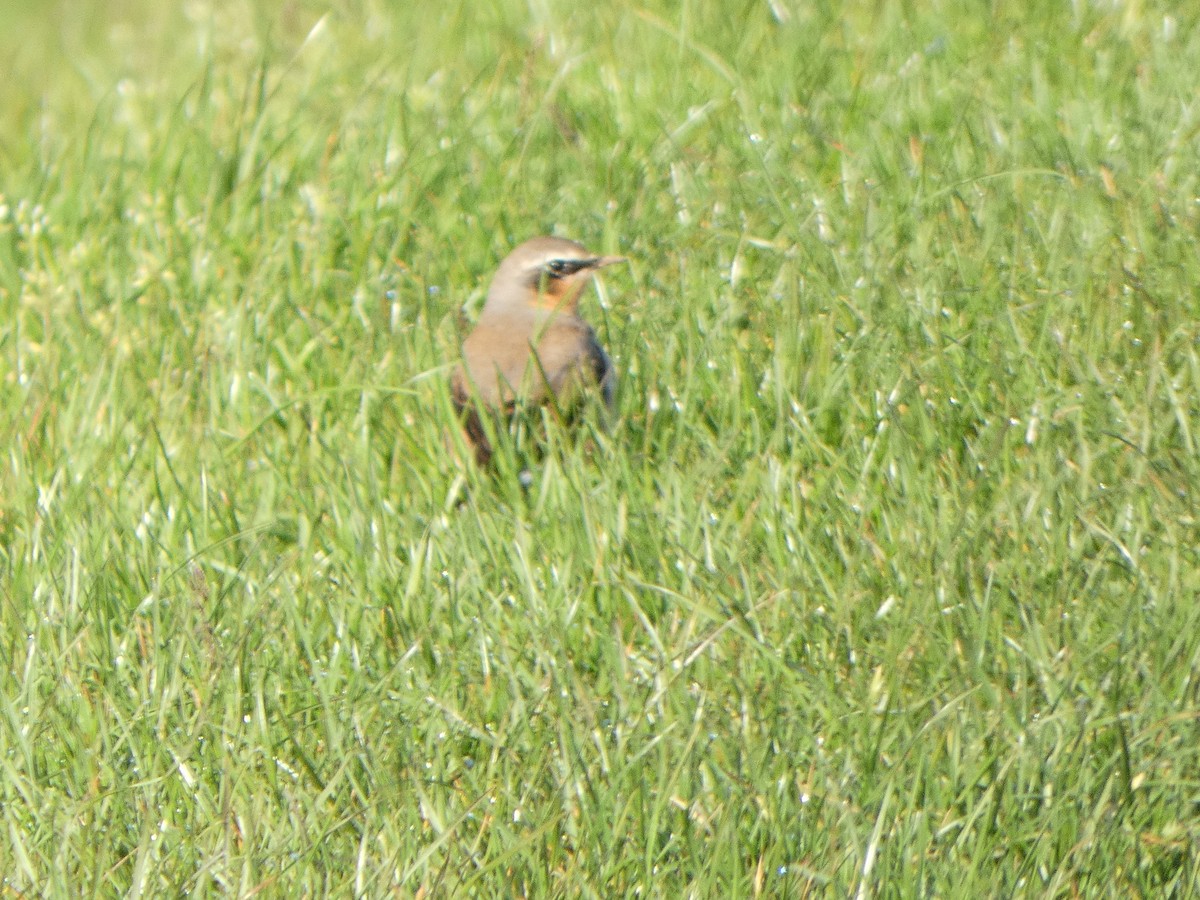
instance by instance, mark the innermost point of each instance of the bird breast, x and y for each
(500, 359)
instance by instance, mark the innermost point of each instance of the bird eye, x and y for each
(557, 267)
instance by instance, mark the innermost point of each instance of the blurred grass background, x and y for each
(884, 584)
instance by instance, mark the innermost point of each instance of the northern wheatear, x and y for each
(530, 346)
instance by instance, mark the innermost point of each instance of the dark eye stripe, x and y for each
(560, 268)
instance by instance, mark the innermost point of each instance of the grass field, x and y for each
(884, 583)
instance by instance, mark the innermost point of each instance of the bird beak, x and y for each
(608, 261)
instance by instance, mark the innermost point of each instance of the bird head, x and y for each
(544, 273)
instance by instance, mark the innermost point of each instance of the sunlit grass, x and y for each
(883, 582)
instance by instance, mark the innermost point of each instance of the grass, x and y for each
(884, 584)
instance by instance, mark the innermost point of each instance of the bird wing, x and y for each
(571, 359)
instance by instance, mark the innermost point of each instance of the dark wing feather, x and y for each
(602, 369)
(468, 412)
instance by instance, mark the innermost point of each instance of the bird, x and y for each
(529, 346)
